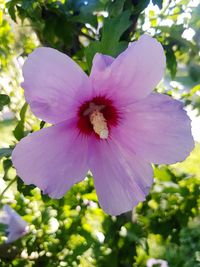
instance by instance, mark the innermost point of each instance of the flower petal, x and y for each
(53, 83)
(121, 179)
(158, 129)
(101, 73)
(100, 65)
(133, 74)
(13, 236)
(53, 159)
(14, 218)
(17, 227)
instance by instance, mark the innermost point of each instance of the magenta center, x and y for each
(96, 115)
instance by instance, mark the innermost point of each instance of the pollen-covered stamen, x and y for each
(97, 116)
(99, 124)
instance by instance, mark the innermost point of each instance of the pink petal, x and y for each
(101, 73)
(133, 74)
(53, 159)
(121, 179)
(53, 83)
(158, 129)
(101, 64)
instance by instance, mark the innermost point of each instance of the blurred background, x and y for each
(74, 231)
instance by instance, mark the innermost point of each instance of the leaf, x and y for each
(91, 50)
(140, 6)
(11, 10)
(19, 129)
(7, 164)
(92, 6)
(171, 62)
(5, 152)
(115, 7)
(110, 42)
(159, 3)
(26, 190)
(113, 29)
(85, 18)
(4, 100)
(65, 30)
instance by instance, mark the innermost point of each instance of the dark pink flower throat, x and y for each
(97, 116)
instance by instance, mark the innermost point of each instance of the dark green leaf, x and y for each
(85, 18)
(115, 7)
(171, 62)
(140, 6)
(11, 10)
(91, 50)
(113, 30)
(4, 100)
(7, 164)
(92, 6)
(5, 152)
(26, 190)
(19, 129)
(159, 3)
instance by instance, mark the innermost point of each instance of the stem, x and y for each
(11, 182)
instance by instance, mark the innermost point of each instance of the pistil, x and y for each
(99, 124)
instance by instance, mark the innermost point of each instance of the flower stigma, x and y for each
(99, 124)
(97, 119)
(97, 116)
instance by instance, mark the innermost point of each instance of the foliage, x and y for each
(4, 100)
(74, 231)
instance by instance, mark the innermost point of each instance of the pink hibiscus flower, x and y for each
(110, 123)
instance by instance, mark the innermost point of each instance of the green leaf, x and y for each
(85, 18)
(115, 7)
(171, 62)
(19, 129)
(26, 190)
(141, 5)
(159, 3)
(4, 100)
(113, 29)
(5, 152)
(110, 43)
(92, 6)
(11, 10)
(91, 50)
(2, 227)
(7, 164)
